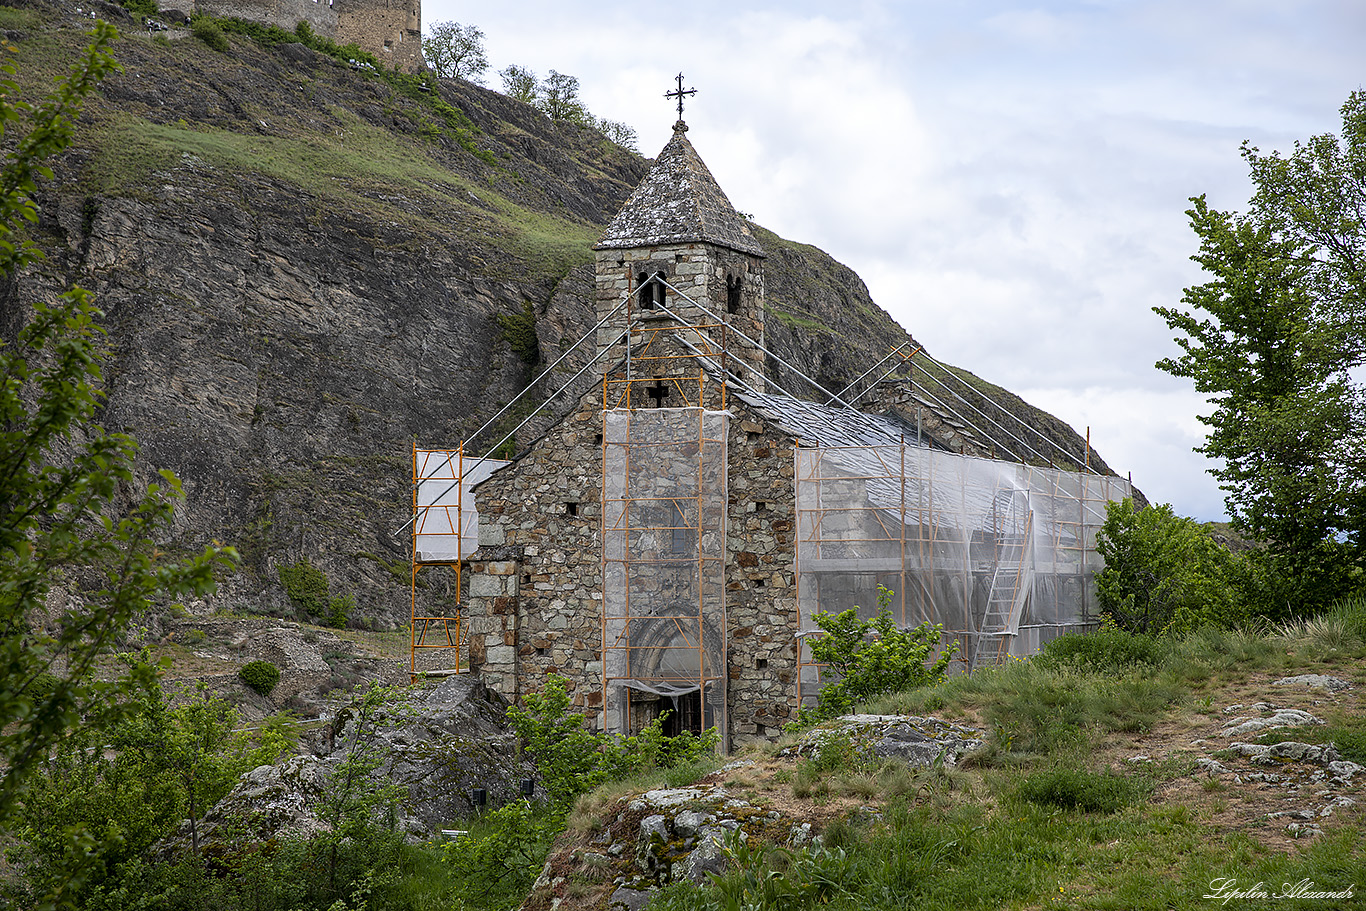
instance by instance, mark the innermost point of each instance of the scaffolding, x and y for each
(664, 496)
(1001, 554)
(445, 530)
(663, 565)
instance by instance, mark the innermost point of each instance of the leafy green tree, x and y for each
(77, 562)
(357, 801)
(559, 99)
(1163, 573)
(455, 51)
(520, 83)
(132, 784)
(618, 132)
(1272, 339)
(75, 565)
(871, 657)
(566, 754)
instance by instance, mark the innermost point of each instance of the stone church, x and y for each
(667, 545)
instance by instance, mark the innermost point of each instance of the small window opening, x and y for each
(542, 652)
(761, 663)
(526, 579)
(651, 291)
(733, 294)
(759, 583)
(571, 509)
(597, 439)
(684, 537)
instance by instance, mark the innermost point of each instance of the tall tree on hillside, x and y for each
(520, 83)
(1273, 339)
(559, 99)
(456, 51)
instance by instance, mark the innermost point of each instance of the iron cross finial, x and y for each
(679, 93)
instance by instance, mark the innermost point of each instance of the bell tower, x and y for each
(680, 256)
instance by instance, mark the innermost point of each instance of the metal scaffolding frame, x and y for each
(664, 498)
(445, 530)
(1000, 553)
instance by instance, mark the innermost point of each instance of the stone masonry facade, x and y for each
(389, 29)
(723, 281)
(535, 584)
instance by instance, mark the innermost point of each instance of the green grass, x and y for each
(19, 18)
(359, 168)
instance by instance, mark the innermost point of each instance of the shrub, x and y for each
(306, 586)
(208, 31)
(572, 760)
(195, 637)
(873, 657)
(338, 609)
(1163, 573)
(1104, 651)
(261, 676)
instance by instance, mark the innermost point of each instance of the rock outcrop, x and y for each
(439, 746)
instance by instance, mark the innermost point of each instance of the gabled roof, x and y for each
(679, 202)
(827, 427)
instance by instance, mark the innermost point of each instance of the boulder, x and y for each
(439, 745)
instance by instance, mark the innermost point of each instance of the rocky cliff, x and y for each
(305, 266)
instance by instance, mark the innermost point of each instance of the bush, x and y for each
(306, 586)
(208, 31)
(573, 761)
(338, 609)
(261, 676)
(1106, 650)
(873, 657)
(1163, 573)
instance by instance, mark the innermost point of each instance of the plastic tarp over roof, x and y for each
(1001, 554)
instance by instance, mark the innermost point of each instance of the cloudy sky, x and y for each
(1010, 179)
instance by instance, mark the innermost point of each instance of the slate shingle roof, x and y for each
(828, 427)
(679, 202)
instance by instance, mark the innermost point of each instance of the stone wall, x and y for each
(536, 581)
(702, 272)
(389, 29)
(761, 595)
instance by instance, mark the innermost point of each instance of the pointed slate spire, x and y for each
(679, 202)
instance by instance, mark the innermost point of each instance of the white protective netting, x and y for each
(664, 507)
(446, 524)
(1001, 554)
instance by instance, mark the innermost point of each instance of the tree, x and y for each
(619, 133)
(559, 100)
(77, 560)
(520, 83)
(1272, 339)
(456, 51)
(131, 784)
(1163, 573)
(869, 658)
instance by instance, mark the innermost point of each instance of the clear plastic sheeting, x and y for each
(664, 509)
(446, 523)
(1001, 554)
